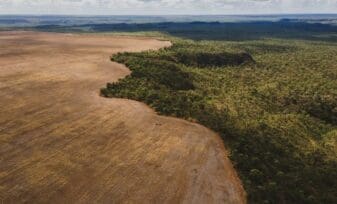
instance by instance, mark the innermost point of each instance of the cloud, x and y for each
(156, 7)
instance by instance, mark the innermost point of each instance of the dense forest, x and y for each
(272, 100)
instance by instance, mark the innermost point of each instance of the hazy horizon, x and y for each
(166, 7)
(154, 15)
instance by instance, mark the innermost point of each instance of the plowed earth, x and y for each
(60, 142)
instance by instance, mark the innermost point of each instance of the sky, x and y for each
(166, 7)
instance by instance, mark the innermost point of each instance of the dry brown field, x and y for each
(60, 142)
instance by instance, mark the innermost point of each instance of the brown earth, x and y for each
(60, 142)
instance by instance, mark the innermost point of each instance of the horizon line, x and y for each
(248, 14)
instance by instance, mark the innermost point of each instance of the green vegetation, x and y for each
(276, 110)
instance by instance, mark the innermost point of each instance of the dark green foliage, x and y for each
(208, 59)
(277, 116)
(160, 71)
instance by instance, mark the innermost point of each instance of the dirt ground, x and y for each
(60, 142)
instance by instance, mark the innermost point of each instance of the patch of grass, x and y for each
(276, 115)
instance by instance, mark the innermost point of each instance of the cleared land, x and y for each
(60, 142)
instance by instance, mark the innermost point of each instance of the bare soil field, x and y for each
(60, 142)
